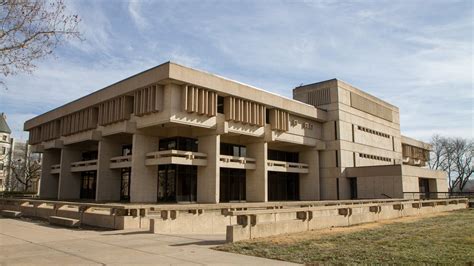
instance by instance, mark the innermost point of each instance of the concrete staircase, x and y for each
(62, 221)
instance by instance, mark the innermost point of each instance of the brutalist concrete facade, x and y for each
(177, 134)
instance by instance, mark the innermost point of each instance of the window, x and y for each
(267, 116)
(126, 150)
(4, 137)
(353, 187)
(4, 150)
(89, 155)
(374, 132)
(374, 157)
(178, 143)
(1, 167)
(283, 186)
(220, 104)
(233, 150)
(232, 185)
(177, 183)
(292, 157)
(88, 185)
(125, 184)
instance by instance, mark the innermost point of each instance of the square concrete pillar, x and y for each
(257, 180)
(69, 183)
(309, 183)
(208, 176)
(144, 179)
(108, 180)
(48, 188)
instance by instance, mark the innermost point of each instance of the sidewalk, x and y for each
(33, 242)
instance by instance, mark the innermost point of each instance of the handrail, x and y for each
(55, 166)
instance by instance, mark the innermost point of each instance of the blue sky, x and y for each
(417, 55)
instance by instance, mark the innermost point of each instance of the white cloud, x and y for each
(405, 52)
(135, 9)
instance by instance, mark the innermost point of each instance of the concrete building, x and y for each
(17, 162)
(5, 147)
(177, 134)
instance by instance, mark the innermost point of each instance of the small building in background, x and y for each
(5, 147)
(20, 169)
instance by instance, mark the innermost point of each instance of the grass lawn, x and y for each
(446, 238)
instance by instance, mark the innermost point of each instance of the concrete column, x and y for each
(144, 179)
(69, 183)
(108, 180)
(48, 188)
(309, 183)
(208, 176)
(257, 180)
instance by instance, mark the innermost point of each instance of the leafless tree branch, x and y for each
(31, 30)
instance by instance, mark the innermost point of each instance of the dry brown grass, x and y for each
(446, 238)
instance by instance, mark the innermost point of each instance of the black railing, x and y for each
(438, 195)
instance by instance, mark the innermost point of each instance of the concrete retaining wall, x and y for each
(263, 223)
(191, 222)
(99, 215)
(238, 220)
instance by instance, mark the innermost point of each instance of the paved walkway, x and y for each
(33, 242)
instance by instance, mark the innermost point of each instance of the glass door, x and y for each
(125, 184)
(88, 185)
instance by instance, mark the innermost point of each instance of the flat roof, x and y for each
(169, 71)
(343, 84)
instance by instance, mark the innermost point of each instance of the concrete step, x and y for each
(10, 214)
(62, 221)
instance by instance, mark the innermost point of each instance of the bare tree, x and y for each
(455, 156)
(24, 173)
(438, 152)
(462, 153)
(30, 30)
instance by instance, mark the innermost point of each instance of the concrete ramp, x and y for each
(10, 214)
(66, 222)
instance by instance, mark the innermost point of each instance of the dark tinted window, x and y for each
(283, 186)
(220, 104)
(283, 156)
(179, 143)
(233, 150)
(126, 150)
(89, 155)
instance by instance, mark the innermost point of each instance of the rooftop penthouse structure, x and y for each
(177, 134)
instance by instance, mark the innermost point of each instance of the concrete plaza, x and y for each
(35, 242)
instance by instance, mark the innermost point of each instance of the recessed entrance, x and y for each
(125, 184)
(88, 184)
(177, 183)
(424, 187)
(283, 186)
(232, 184)
(353, 187)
